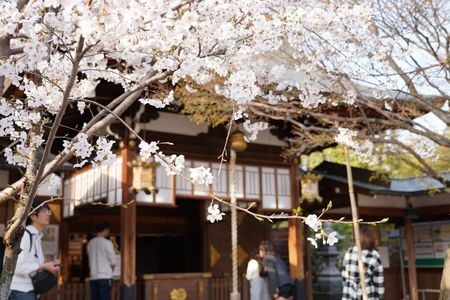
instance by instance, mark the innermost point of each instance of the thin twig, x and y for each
(43, 203)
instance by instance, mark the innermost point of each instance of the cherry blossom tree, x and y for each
(55, 52)
(374, 94)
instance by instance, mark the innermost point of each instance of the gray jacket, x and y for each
(278, 272)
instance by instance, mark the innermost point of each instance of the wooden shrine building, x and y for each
(164, 242)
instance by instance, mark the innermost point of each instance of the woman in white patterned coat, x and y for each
(372, 266)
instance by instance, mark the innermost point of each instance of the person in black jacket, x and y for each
(281, 283)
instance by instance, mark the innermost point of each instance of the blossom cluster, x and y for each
(196, 40)
(316, 225)
(249, 44)
(214, 213)
(363, 149)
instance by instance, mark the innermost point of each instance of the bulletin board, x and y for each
(431, 240)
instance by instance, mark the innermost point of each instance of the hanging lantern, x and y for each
(237, 141)
(310, 187)
(144, 176)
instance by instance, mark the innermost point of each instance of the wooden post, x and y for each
(64, 254)
(128, 232)
(295, 245)
(445, 280)
(355, 218)
(412, 274)
(295, 240)
(296, 250)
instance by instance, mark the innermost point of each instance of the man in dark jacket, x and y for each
(281, 282)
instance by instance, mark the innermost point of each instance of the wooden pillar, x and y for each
(412, 274)
(295, 239)
(64, 242)
(128, 232)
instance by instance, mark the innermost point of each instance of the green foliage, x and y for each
(203, 105)
(385, 166)
(280, 224)
(297, 211)
(346, 236)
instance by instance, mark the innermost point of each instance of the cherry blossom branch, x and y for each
(224, 150)
(120, 104)
(16, 51)
(58, 118)
(44, 203)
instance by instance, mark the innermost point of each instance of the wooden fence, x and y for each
(219, 289)
(77, 291)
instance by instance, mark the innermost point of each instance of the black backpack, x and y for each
(43, 281)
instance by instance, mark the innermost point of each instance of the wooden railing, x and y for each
(428, 294)
(219, 289)
(77, 291)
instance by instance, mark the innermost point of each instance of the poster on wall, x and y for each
(50, 241)
(431, 240)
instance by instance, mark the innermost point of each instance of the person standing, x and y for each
(258, 284)
(31, 258)
(102, 259)
(372, 266)
(281, 283)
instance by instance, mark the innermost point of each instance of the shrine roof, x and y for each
(369, 180)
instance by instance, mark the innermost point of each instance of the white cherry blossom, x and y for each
(214, 213)
(312, 241)
(332, 238)
(254, 129)
(83, 148)
(173, 164)
(147, 149)
(104, 154)
(201, 175)
(313, 222)
(54, 181)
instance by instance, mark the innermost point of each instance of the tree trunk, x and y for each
(9, 264)
(14, 231)
(12, 239)
(445, 280)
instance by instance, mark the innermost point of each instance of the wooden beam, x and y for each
(434, 210)
(381, 211)
(128, 232)
(412, 271)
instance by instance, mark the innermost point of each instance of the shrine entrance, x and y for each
(176, 249)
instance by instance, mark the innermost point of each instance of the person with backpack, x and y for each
(31, 262)
(281, 283)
